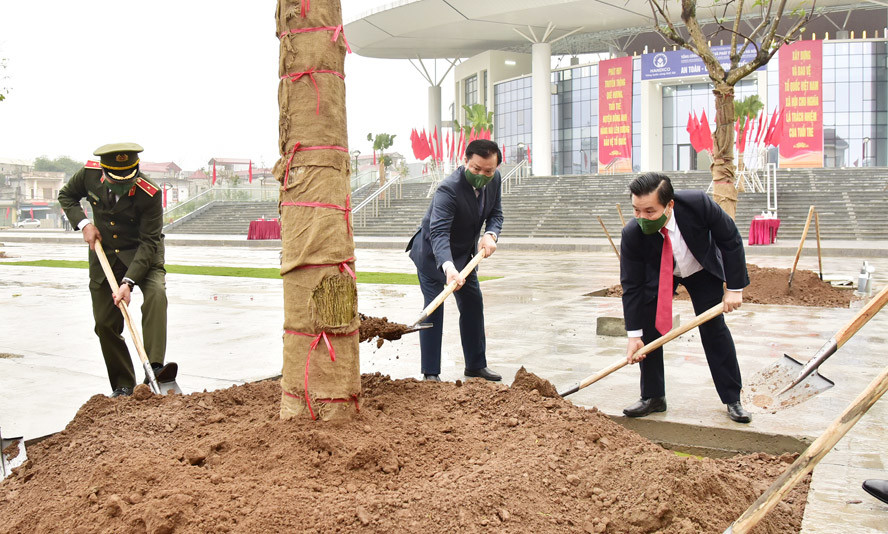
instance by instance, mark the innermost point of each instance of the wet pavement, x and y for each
(225, 331)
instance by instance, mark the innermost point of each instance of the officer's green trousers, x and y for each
(110, 323)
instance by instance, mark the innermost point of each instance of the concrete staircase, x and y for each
(233, 217)
(850, 202)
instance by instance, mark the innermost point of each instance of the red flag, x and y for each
(32, 212)
(770, 130)
(504, 152)
(164, 195)
(705, 132)
(214, 172)
(428, 140)
(436, 147)
(7, 214)
(461, 146)
(374, 157)
(742, 146)
(777, 134)
(528, 154)
(251, 171)
(691, 128)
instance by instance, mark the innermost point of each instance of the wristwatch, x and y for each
(130, 284)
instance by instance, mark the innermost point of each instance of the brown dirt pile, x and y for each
(769, 285)
(418, 457)
(529, 382)
(381, 328)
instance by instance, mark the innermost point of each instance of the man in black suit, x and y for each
(706, 255)
(446, 242)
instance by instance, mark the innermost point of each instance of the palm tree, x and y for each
(748, 107)
(477, 117)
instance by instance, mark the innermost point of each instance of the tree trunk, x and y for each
(723, 178)
(321, 373)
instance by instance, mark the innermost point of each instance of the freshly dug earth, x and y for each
(769, 285)
(418, 457)
(381, 328)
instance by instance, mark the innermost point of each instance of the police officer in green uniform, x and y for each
(127, 223)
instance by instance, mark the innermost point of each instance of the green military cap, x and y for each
(119, 157)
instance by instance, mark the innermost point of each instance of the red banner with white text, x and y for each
(615, 115)
(801, 96)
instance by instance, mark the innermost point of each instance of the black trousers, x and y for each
(705, 291)
(471, 324)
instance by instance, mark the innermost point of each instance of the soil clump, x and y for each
(380, 328)
(529, 382)
(770, 285)
(418, 457)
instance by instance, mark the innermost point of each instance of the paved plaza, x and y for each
(225, 331)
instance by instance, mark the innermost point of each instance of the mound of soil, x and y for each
(418, 457)
(380, 328)
(530, 382)
(770, 285)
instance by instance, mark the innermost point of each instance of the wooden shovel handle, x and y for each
(802, 241)
(805, 463)
(657, 343)
(433, 305)
(863, 316)
(109, 274)
(603, 227)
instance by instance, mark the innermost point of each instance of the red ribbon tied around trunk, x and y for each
(295, 76)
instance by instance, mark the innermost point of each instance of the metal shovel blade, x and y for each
(763, 393)
(418, 327)
(166, 379)
(12, 455)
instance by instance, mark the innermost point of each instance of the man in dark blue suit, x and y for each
(707, 257)
(446, 242)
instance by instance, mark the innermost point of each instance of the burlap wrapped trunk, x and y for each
(317, 258)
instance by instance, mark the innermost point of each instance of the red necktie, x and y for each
(663, 322)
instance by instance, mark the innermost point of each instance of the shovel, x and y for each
(801, 244)
(168, 373)
(711, 313)
(787, 382)
(12, 454)
(433, 305)
(805, 463)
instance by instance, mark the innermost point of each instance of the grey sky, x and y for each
(189, 80)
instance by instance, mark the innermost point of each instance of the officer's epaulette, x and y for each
(146, 186)
(92, 165)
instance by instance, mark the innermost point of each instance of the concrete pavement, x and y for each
(227, 331)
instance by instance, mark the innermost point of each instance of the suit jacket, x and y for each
(711, 237)
(452, 225)
(131, 229)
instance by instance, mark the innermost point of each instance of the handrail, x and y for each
(515, 175)
(374, 199)
(200, 200)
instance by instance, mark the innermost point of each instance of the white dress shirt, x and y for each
(685, 262)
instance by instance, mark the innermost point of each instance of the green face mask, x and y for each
(477, 180)
(120, 189)
(649, 226)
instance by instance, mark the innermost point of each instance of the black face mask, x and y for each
(122, 187)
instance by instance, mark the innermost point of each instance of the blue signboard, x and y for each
(682, 62)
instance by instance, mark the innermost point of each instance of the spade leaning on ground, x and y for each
(127, 223)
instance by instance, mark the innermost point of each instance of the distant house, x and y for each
(236, 172)
(169, 177)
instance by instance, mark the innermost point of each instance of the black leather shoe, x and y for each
(164, 373)
(484, 373)
(877, 488)
(122, 392)
(737, 413)
(646, 406)
(431, 378)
